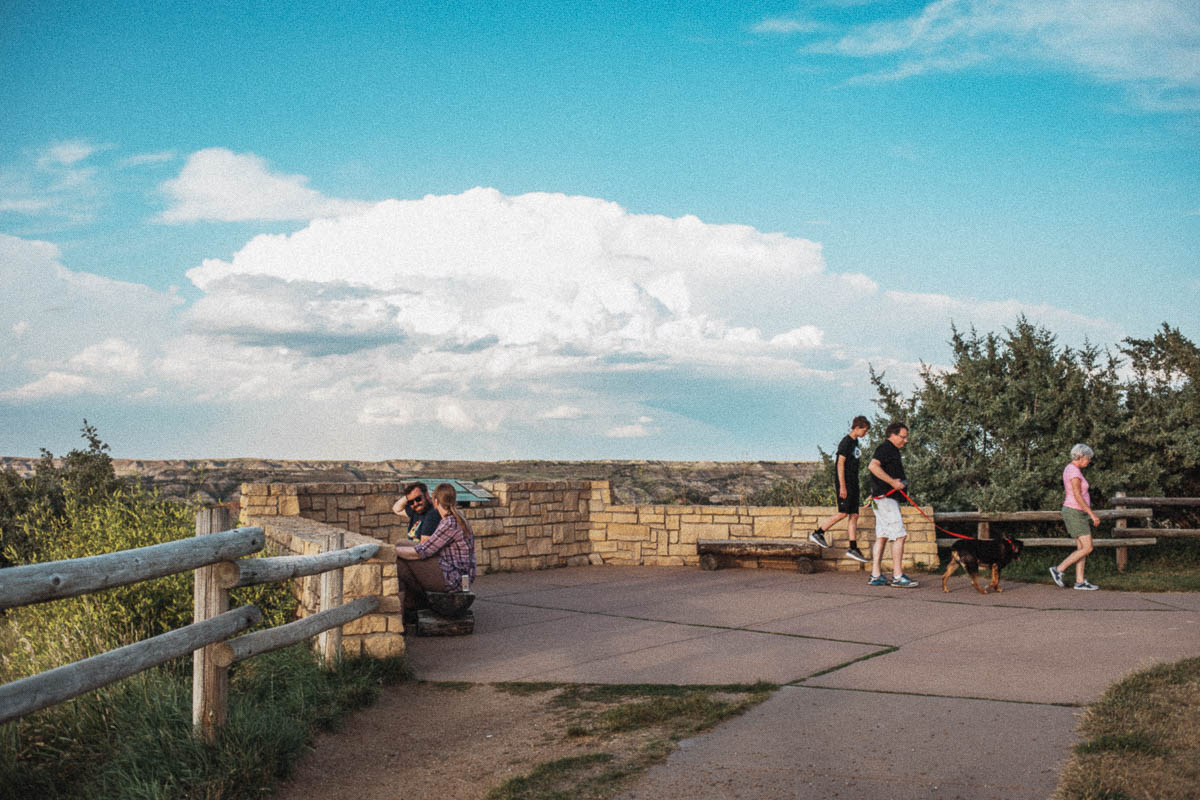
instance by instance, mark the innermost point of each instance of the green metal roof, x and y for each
(466, 491)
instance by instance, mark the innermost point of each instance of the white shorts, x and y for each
(888, 522)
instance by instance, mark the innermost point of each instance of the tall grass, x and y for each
(1170, 566)
(134, 739)
(1143, 739)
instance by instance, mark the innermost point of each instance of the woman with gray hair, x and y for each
(1076, 511)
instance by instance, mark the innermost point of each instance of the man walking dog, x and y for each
(846, 487)
(887, 477)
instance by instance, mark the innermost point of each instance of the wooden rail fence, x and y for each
(216, 556)
(1123, 537)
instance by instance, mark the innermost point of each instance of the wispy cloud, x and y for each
(636, 430)
(562, 412)
(784, 25)
(1152, 49)
(57, 182)
(218, 185)
(147, 159)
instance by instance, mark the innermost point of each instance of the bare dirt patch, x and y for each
(424, 740)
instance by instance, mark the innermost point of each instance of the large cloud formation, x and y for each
(1147, 47)
(485, 325)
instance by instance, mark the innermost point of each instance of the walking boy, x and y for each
(846, 485)
(887, 475)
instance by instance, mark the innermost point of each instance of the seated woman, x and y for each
(453, 542)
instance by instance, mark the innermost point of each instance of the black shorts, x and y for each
(849, 505)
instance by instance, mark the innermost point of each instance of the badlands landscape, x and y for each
(634, 482)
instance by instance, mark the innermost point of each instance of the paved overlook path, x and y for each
(892, 693)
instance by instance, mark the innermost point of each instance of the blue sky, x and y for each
(567, 230)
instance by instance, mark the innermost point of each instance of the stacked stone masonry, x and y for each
(378, 635)
(537, 525)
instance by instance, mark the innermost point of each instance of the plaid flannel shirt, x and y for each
(455, 549)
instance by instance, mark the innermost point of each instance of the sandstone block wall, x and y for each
(534, 526)
(537, 525)
(378, 635)
(667, 535)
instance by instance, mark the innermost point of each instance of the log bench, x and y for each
(449, 614)
(715, 552)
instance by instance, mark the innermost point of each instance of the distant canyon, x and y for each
(208, 480)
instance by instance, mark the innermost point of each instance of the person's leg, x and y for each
(852, 529)
(417, 578)
(1084, 548)
(877, 555)
(898, 556)
(829, 523)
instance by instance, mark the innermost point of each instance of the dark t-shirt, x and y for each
(888, 456)
(425, 524)
(848, 448)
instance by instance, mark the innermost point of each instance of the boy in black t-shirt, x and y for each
(846, 487)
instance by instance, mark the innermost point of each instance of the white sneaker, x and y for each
(1084, 586)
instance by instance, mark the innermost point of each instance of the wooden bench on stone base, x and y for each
(714, 553)
(449, 614)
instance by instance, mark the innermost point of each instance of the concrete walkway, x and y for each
(890, 692)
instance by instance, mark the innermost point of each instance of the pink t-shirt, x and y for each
(1069, 474)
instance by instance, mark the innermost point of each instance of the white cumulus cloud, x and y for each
(1150, 48)
(219, 185)
(478, 324)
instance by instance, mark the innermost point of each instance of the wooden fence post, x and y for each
(329, 643)
(1122, 552)
(210, 683)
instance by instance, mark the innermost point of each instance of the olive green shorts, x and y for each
(1078, 523)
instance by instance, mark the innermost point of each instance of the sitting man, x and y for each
(453, 542)
(423, 518)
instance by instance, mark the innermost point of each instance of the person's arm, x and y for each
(841, 474)
(1077, 491)
(440, 538)
(407, 553)
(878, 471)
(401, 506)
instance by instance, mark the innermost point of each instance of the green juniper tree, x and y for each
(994, 430)
(85, 475)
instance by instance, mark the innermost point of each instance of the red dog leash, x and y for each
(923, 514)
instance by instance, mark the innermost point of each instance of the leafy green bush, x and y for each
(88, 475)
(46, 635)
(995, 430)
(134, 739)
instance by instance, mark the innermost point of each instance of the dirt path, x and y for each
(423, 740)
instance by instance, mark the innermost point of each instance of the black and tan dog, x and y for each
(970, 553)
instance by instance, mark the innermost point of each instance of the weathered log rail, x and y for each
(1124, 509)
(211, 638)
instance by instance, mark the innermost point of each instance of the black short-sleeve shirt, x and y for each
(422, 524)
(848, 449)
(888, 456)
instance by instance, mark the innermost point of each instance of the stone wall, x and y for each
(535, 526)
(378, 635)
(567, 523)
(666, 535)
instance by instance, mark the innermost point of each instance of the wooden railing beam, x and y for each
(253, 644)
(250, 571)
(71, 680)
(37, 583)
(1035, 516)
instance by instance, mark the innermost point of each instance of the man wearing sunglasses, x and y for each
(423, 518)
